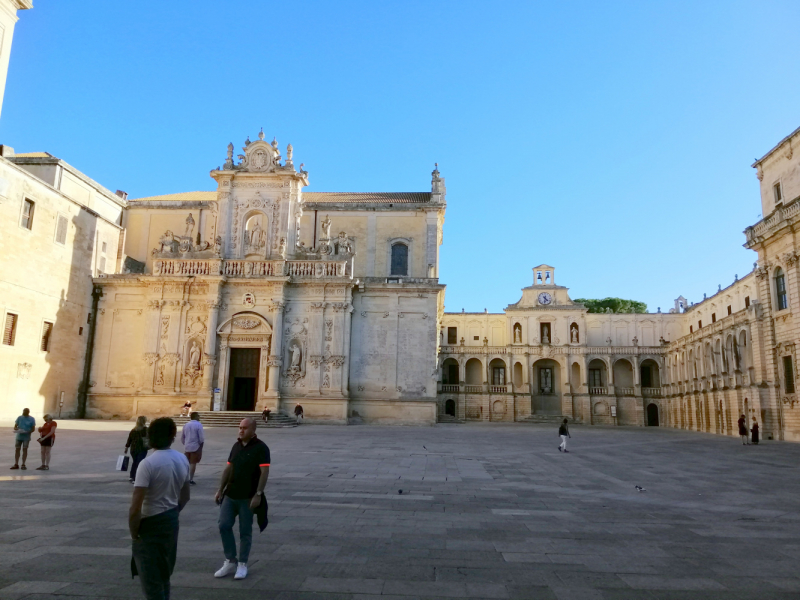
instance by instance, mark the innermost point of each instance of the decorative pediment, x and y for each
(246, 322)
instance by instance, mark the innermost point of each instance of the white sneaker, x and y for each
(228, 567)
(241, 571)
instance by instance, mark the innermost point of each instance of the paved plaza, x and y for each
(486, 511)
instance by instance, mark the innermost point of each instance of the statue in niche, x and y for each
(296, 357)
(574, 334)
(282, 248)
(255, 236)
(189, 226)
(546, 333)
(547, 383)
(517, 333)
(326, 228)
(194, 358)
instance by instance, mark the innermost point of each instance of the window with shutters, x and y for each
(47, 330)
(780, 289)
(61, 230)
(27, 214)
(788, 375)
(452, 335)
(10, 329)
(399, 259)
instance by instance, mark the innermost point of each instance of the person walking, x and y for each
(186, 408)
(159, 494)
(754, 431)
(563, 431)
(47, 437)
(137, 442)
(241, 493)
(265, 414)
(298, 413)
(192, 438)
(23, 427)
(743, 430)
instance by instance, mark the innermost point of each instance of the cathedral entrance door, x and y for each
(243, 380)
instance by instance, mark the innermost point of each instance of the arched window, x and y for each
(780, 289)
(399, 259)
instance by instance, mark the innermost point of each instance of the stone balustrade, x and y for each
(520, 350)
(315, 269)
(598, 391)
(624, 391)
(651, 392)
(448, 387)
(498, 389)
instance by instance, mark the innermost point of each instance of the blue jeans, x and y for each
(228, 512)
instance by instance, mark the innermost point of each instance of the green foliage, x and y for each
(613, 305)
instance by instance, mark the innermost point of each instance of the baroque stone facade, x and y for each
(271, 297)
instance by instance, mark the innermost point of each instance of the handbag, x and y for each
(122, 462)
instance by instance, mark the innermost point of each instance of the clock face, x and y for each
(545, 298)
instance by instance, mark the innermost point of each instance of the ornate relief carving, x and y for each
(328, 331)
(150, 358)
(274, 361)
(196, 325)
(247, 323)
(24, 370)
(317, 307)
(165, 327)
(249, 300)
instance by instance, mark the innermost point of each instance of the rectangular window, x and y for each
(47, 330)
(61, 230)
(27, 214)
(729, 309)
(452, 335)
(699, 324)
(788, 375)
(776, 189)
(747, 301)
(476, 337)
(595, 378)
(780, 287)
(498, 376)
(691, 329)
(104, 247)
(10, 329)
(713, 317)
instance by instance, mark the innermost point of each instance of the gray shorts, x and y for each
(22, 443)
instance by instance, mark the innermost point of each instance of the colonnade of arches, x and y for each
(716, 362)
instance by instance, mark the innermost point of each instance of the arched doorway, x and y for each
(546, 387)
(652, 415)
(450, 408)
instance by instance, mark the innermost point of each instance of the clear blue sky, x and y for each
(612, 140)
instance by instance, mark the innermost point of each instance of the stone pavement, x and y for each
(487, 511)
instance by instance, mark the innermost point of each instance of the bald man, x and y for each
(240, 491)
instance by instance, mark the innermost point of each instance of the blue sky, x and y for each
(612, 140)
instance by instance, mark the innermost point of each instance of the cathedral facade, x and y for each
(260, 295)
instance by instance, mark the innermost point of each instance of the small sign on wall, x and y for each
(217, 399)
(613, 411)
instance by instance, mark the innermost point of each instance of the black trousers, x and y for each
(154, 553)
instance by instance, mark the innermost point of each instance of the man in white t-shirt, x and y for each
(160, 492)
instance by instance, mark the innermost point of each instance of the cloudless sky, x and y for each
(612, 140)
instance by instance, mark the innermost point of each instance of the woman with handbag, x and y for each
(47, 437)
(137, 442)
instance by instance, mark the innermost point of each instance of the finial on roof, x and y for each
(247, 141)
(261, 134)
(736, 277)
(275, 143)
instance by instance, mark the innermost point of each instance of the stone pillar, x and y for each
(276, 352)
(151, 336)
(348, 310)
(222, 378)
(211, 346)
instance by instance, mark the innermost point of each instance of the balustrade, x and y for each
(621, 391)
(598, 391)
(449, 387)
(498, 389)
(251, 268)
(651, 392)
(473, 389)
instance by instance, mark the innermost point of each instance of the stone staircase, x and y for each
(545, 419)
(450, 419)
(231, 418)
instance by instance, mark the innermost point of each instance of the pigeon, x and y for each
(399, 491)
(639, 488)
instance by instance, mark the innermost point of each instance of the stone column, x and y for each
(151, 336)
(222, 379)
(276, 352)
(211, 345)
(348, 310)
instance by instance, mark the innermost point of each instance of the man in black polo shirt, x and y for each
(240, 491)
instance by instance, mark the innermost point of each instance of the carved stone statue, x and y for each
(326, 228)
(218, 245)
(547, 384)
(189, 226)
(289, 153)
(517, 333)
(344, 244)
(282, 248)
(194, 357)
(574, 334)
(167, 242)
(296, 357)
(546, 334)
